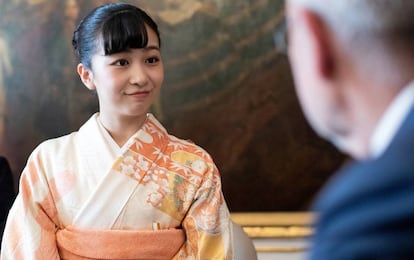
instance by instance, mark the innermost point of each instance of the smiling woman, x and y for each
(127, 78)
(121, 179)
(226, 87)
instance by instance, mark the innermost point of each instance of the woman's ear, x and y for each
(86, 76)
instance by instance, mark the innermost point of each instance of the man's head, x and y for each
(349, 58)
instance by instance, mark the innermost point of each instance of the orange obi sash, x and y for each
(119, 244)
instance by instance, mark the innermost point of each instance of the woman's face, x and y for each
(128, 82)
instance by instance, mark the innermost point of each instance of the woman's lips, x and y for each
(139, 94)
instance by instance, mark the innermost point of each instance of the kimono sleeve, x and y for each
(208, 225)
(31, 224)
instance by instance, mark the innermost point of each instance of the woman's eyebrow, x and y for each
(152, 47)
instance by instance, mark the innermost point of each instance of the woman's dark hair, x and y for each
(117, 26)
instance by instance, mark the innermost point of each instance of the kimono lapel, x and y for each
(112, 193)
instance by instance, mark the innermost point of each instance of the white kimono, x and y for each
(83, 197)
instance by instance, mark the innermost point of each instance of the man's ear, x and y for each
(322, 43)
(86, 76)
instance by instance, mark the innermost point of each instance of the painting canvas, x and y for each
(228, 88)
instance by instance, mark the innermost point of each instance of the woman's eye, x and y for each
(121, 62)
(152, 60)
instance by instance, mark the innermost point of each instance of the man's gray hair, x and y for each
(364, 16)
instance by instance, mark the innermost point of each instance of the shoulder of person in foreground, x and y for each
(366, 211)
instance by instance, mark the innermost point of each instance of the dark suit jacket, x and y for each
(367, 209)
(7, 193)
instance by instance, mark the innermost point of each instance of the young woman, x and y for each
(121, 187)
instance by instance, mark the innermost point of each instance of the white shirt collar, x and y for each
(391, 121)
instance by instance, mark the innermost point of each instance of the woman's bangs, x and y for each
(123, 31)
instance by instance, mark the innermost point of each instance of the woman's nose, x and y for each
(139, 75)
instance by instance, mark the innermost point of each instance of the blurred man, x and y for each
(353, 65)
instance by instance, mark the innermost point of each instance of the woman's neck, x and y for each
(122, 128)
